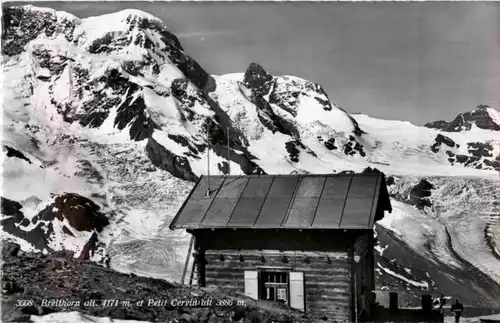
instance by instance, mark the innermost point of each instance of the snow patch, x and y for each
(380, 249)
(424, 285)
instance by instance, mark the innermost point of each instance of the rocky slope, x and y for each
(106, 129)
(34, 284)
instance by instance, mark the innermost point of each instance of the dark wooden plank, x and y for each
(333, 308)
(336, 280)
(228, 282)
(228, 267)
(215, 274)
(316, 264)
(333, 305)
(332, 312)
(335, 277)
(310, 240)
(226, 287)
(321, 293)
(246, 265)
(297, 264)
(339, 282)
(330, 305)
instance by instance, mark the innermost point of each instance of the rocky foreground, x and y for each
(37, 284)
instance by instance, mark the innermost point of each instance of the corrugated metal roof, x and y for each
(284, 201)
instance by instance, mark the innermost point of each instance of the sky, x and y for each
(408, 61)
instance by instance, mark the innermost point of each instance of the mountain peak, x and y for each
(257, 68)
(483, 117)
(129, 17)
(122, 14)
(129, 35)
(135, 13)
(258, 79)
(483, 108)
(44, 10)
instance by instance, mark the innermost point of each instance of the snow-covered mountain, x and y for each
(483, 117)
(107, 122)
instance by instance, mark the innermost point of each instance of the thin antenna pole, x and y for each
(208, 159)
(228, 160)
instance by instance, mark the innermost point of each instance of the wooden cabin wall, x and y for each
(312, 240)
(329, 288)
(326, 280)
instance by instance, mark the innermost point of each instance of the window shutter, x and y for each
(252, 284)
(297, 290)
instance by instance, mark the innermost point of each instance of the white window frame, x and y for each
(295, 285)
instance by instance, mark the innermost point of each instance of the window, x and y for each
(284, 286)
(274, 286)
